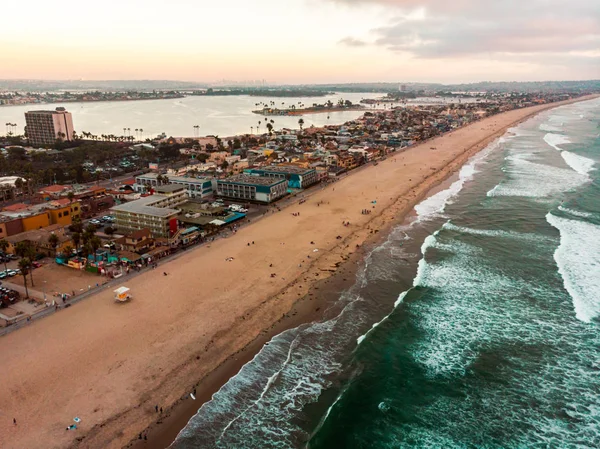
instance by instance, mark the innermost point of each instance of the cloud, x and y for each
(352, 42)
(464, 28)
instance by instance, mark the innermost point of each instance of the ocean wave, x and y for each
(575, 213)
(580, 164)
(549, 128)
(398, 301)
(436, 204)
(578, 261)
(533, 180)
(556, 139)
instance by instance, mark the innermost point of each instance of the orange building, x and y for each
(35, 221)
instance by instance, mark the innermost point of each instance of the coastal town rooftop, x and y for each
(173, 178)
(144, 206)
(291, 169)
(251, 179)
(169, 188)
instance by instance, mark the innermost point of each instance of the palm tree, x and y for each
(76, 237)
(24, 264)
(270, 129)
(68, 250)
(141, 133)
(95, 243)
(71, 195)
(136, 133)
(19, 185)
(53, 240)
(301, 123)
(4, 246)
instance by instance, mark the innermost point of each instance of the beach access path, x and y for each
(110, 364)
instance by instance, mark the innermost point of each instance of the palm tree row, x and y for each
(126, 137)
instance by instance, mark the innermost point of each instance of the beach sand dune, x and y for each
(110, 364)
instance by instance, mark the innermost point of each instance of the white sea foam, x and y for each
(580, 164)
(575, 213)
(549, 128)
(491, 232)
(578, 261)
(435, 204)
(554, 140)
(529, 179)
(398, 301)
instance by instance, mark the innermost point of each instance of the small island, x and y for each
(300, 109)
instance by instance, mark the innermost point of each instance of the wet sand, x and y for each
(110, 364)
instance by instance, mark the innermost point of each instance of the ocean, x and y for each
(476, 325)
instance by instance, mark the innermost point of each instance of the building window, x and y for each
(66, 214)
(59, 215)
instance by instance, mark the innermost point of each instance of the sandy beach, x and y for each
(111, 364)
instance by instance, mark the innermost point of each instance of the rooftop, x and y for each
(169, 188)
(41, 111)
(286, 169)
(253, 180)
(173, 178)
(145, 206)
(54, 188)
(39, 235)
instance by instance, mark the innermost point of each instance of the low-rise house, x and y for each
(40, 239)
(138, 242)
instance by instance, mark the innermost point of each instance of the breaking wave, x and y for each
(436, 204)
(554, 140)
(580, 164)
(578, 261)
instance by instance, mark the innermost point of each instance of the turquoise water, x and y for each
(486, 312)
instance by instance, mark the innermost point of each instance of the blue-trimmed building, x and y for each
(196, 187)
(297, 177)
(248, 187)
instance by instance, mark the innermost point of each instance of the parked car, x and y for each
(36, 264)
(95, 222)
(3, 275)
(11, 273)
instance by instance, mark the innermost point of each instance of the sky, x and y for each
(302, 41)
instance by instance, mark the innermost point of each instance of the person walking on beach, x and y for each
(15, 421)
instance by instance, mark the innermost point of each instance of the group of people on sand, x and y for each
(365, 211)
(346, 223)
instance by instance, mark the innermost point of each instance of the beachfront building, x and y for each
(45, 127)
(196, 187)
(252, 188)
(21, 217)
(156, 212)
(297, 177)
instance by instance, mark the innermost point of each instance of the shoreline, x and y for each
(162, 433)
(158, 350)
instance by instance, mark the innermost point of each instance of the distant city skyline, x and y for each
(303, 41)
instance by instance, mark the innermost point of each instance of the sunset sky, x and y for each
(302, 41)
